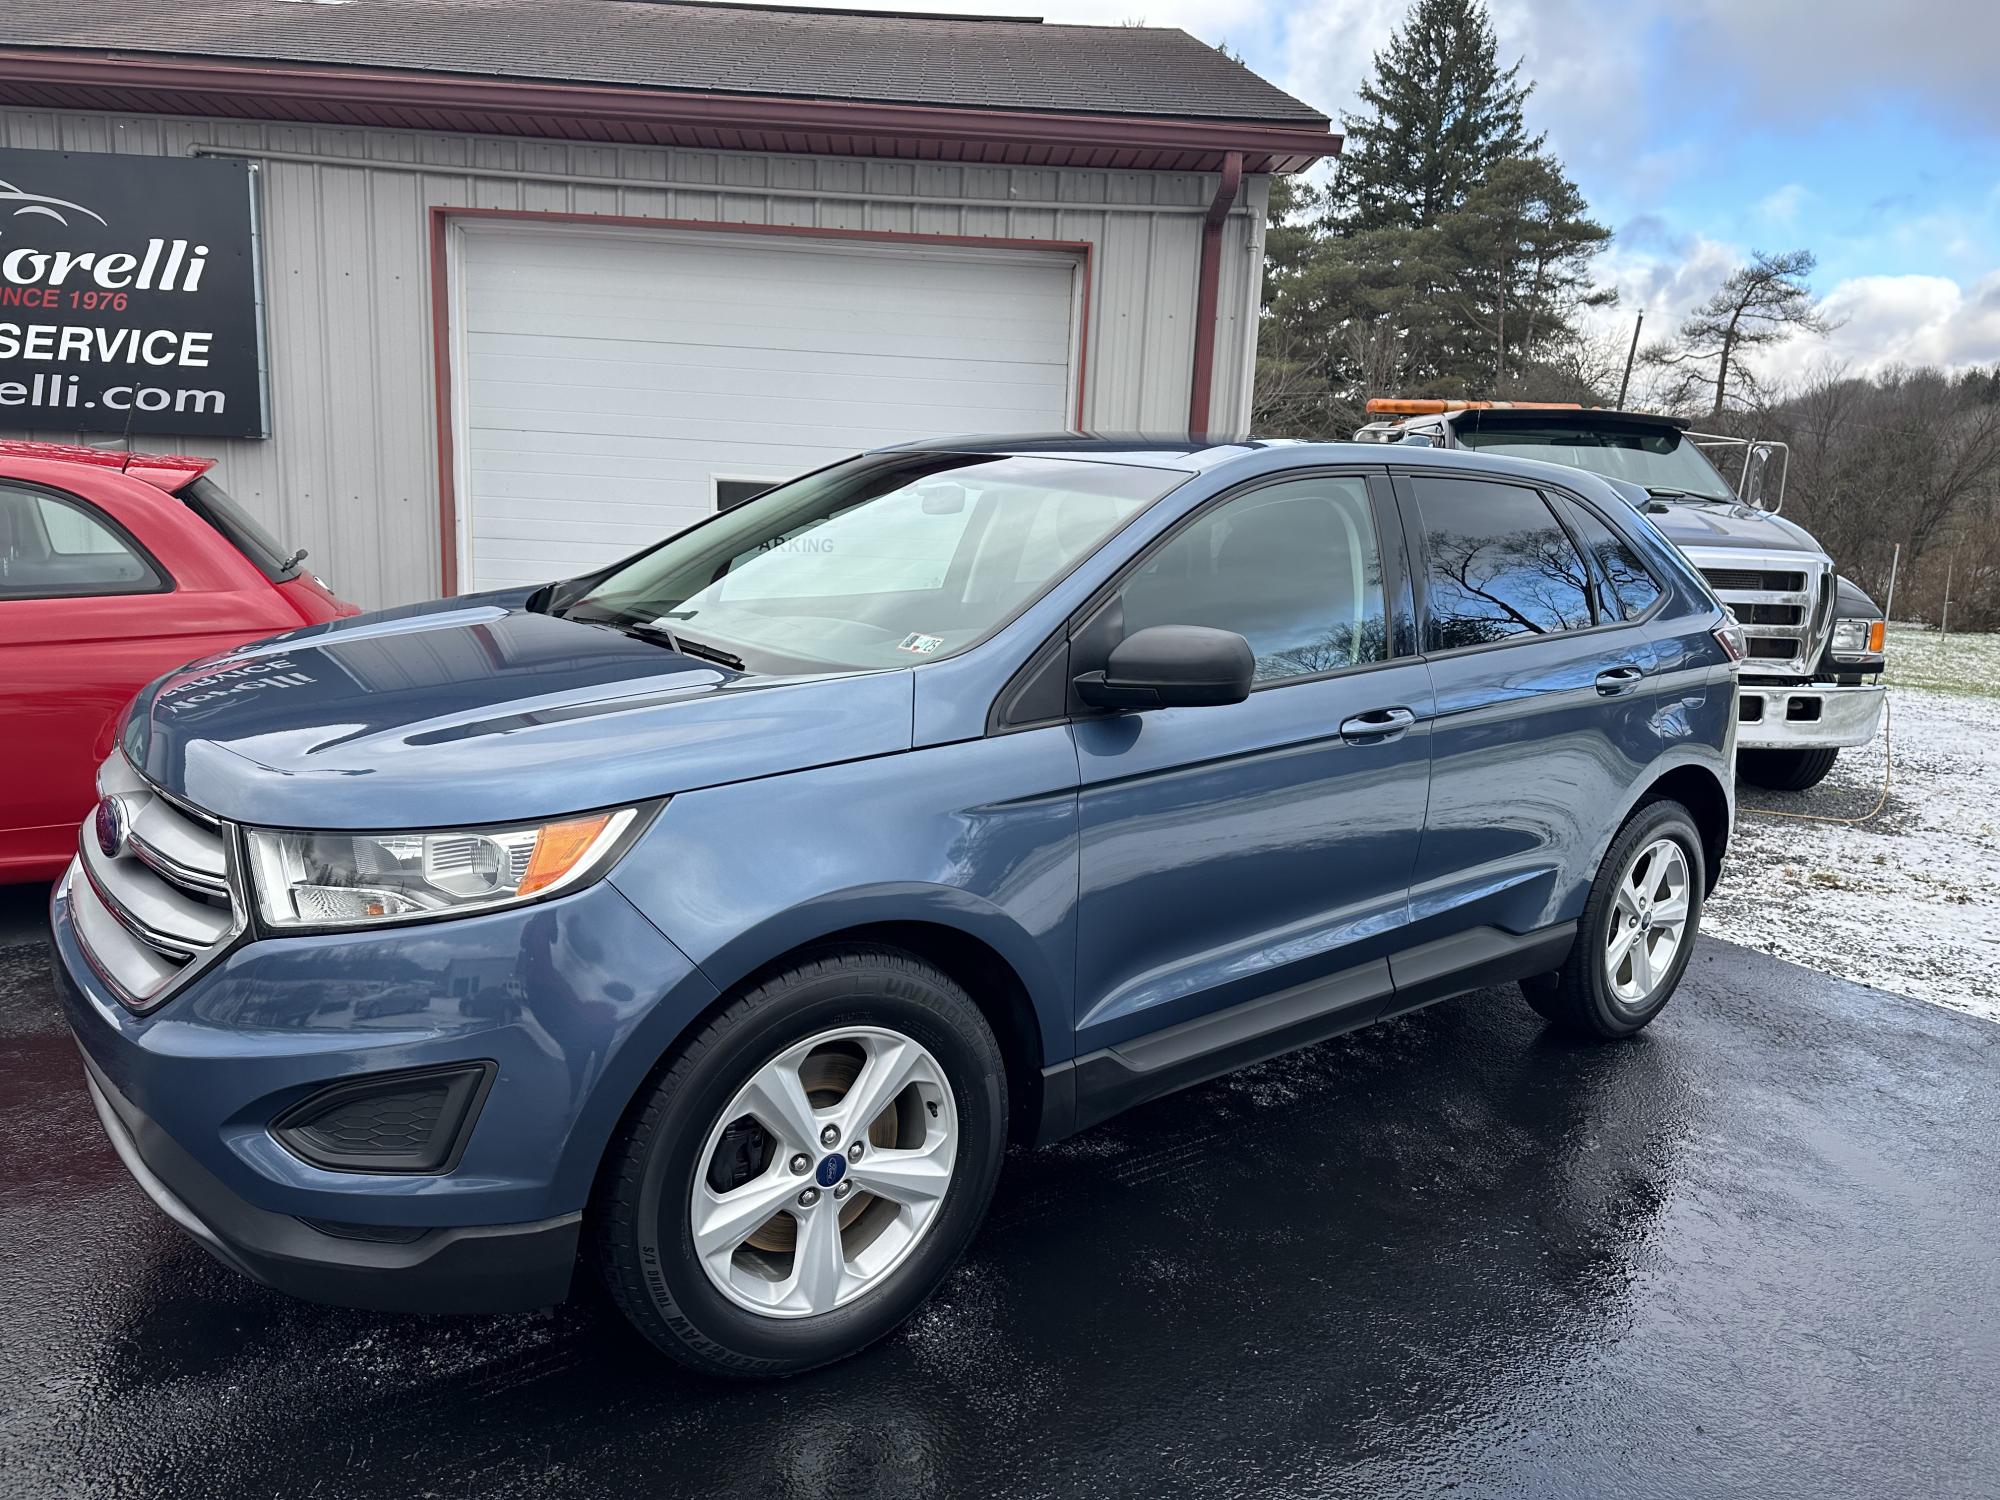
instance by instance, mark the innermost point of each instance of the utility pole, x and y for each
(1944, 622)
(1630, 355)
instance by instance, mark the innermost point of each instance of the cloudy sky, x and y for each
(1704, 129)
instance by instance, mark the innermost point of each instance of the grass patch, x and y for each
(1966, 664)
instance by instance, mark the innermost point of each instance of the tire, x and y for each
(1590, 996)
(1784, 770)
(860, 1009)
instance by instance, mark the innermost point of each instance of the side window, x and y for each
(53, 548)
(1497, 565)
(1633, 590)
(1293, 568)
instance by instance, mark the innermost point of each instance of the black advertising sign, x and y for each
(129, 295)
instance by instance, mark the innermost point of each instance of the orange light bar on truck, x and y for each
(1400, 406)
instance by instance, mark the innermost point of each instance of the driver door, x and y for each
(1228, 852)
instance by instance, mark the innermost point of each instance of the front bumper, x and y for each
(572, 1002)
(1806, 715)
(503, 1268)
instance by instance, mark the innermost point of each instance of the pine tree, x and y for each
(1438, 112)
(1762, 303)
(1520, 250)
(1450, 255)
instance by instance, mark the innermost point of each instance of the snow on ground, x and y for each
(1909, 900)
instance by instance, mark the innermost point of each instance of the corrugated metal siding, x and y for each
(350, 471)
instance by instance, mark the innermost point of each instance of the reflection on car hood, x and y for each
(478, 711)
(1726, 523)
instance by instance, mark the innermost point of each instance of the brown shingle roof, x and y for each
(691, 47)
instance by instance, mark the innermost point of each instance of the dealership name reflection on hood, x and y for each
(256, 676)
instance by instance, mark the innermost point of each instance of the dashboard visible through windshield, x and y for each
(888, 560)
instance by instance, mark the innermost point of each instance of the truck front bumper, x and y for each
(1806, 715)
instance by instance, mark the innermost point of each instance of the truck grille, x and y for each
(1751, 580)
(161, 904)
(1785, 605)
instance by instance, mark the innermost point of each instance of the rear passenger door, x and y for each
(1544, 702)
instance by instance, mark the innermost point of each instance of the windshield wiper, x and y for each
(710, 653)
(1668, 492)
(659, 634)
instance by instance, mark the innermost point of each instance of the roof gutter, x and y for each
(1207, 285)
(411, 100)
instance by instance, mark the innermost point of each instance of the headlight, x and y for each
(353, 879)
(1855, 639)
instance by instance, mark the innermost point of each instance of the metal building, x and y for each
(543, 280)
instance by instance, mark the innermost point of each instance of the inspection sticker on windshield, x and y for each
(923, 645)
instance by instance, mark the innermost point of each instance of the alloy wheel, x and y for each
(1649, 921)
(824, 1172)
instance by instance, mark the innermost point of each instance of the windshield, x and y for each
(1658, 458)
(884, 561)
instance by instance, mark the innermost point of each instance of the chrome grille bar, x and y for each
(152, 889)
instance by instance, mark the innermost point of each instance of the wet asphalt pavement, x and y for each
(1751, 1253)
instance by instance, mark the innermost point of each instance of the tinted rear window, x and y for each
(1632, 588)
(1497, 564)
(272, 558)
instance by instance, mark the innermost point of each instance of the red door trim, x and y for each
(442, 215)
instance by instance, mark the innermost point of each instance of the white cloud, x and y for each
(1780, 209)
(1805, 59)
(1907, 320)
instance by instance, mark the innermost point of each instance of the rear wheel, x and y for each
(1637, 930)
(1785, 770)
(806, 1169)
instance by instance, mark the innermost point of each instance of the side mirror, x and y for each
(1172, 666)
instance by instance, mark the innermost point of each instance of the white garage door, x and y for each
(611, 383)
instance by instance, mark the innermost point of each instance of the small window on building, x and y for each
(732, 491)
(1631, 588)
(54, 548)
(1497, 565)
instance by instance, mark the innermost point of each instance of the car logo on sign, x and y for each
(41, 204)
(110, 827)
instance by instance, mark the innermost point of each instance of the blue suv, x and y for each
(721, 916)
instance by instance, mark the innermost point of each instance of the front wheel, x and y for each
(805, 1169)
(1785, 770)
(1637, 930)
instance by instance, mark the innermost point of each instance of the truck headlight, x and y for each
(357, 879)
(1854, 639)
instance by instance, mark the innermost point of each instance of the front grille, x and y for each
(1785, 606)
(1751, 580)
(160, 903)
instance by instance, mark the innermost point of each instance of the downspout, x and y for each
(1208, 281)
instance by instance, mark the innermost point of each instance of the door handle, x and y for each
(1618, 680)
(1376, 724)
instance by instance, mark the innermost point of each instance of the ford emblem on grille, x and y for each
(109, 825)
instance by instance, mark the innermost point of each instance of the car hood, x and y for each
(479, 711)
(1725, 523)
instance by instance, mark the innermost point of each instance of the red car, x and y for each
(114, 568)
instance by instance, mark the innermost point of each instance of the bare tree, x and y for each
(1761, 303)
(1909, 457)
